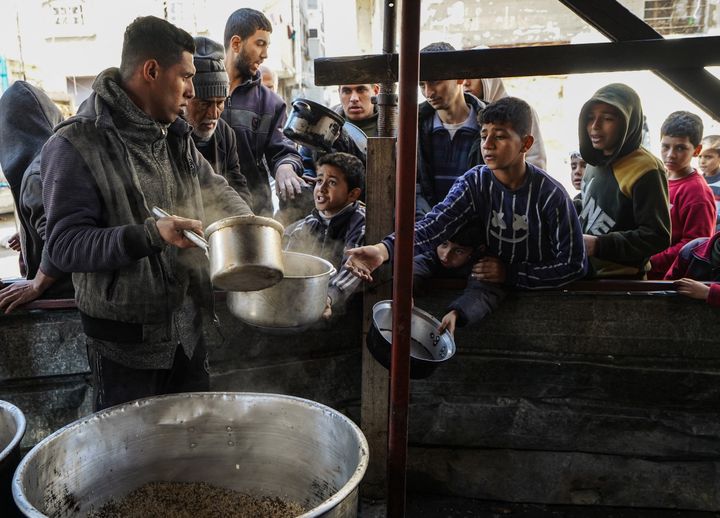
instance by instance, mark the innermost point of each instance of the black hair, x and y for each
(438, 46)
(683, 124)
(150, 37)
(508, 109)
(351, 166)
(244, 22)
(470, 235)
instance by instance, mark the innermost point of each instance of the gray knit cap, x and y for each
(211, 79)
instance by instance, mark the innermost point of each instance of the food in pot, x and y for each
(194, 500)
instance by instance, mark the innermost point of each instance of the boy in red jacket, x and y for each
(692, 205)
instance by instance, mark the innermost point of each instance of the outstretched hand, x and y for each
(691, 288)
(489, 269)
(449, 322)
(364, 260)
(22, 292)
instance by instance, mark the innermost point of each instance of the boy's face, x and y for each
(709, 161)
(677, 153)
(577, 170)
(501, 146)
(453, 255)
(603, 124)
(331, 190)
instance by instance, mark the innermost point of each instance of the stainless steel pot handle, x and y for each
(302, 107)
(197, 239)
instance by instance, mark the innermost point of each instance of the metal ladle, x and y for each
(197, 239)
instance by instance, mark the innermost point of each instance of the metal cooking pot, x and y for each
(245, 253)
(12, 430)
(261, 444)
(428, 349)
(313, 125)
(296, 301)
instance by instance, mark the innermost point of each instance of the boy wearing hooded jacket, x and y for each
(625, 216)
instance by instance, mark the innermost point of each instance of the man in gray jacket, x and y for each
(140, 285)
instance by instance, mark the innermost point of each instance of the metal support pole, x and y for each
(387, 99)
(402, 266)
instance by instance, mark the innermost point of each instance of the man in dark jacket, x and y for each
(212, 136)
(258, 115)
(448, 136)
(27, 119)
(140, 285)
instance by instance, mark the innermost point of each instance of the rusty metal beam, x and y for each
(676, 57)
(620, 25)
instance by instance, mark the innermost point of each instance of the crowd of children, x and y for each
(507, 224)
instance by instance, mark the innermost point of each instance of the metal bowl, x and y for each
(245, 253)
(428, 349)
(295, 302)
(12, 430)
(261, 444)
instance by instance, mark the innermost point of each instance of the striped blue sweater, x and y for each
(534, 230)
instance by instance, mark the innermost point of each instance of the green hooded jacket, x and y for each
(625, 194)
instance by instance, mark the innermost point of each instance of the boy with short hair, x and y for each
(709, 165)
(699, 260)
(692, 206)
(530, 229)
(336, 223)
(625, 216)
(577, 171)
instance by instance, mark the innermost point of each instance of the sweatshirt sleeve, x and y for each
(652, 216)
(714, 296)
(568, 261)
(76, 238)
(478, 300)
(344, 283)
(280, 149)
(218, 198)
(698, 220)
(446, 218)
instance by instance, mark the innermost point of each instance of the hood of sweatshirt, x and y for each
(27, 119)
(627, 102)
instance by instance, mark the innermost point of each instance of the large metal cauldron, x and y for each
(12, 429)
(261, 444)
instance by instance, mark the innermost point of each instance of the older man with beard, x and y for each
(213, 137)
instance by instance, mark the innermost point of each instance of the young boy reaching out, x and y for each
(527, 221)
(336, 223)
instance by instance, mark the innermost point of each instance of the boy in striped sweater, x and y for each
(528, 223)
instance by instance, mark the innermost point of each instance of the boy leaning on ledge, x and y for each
(625, 216)
(530, 228)
(692, 206)
(336, 223)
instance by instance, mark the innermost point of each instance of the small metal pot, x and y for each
(245, 253)
(313, 125)
(427, 348)
(296, 301)
(12, 430)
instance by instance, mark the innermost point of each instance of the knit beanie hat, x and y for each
(210, 79)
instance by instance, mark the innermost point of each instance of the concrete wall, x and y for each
(562, 398)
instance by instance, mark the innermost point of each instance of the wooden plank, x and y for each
(682, 54)
(449, 419)
(553, 477)
(380, 197)
(620, 25)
